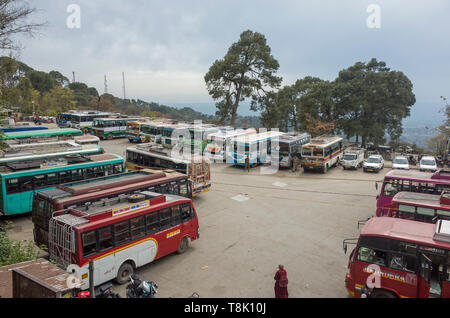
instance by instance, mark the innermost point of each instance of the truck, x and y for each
(353, 158)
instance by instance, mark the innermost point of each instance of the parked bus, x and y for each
(421, 207)
(404, 258)
(110, 128)
(167, 139)
(17, 128)
(88, 192)
(134, 132)
(147, 156)
(218, 141)
(41, 135)
(122, 235)
(152, 132)
(63, 120)
(253, 146)
(199, 137)
(322, 153)
(27, 152)
(21, 179)
(291, 146)
(396, 181)
(84, 120)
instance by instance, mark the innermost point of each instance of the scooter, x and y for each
(141, 289)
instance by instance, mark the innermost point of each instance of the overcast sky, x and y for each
(166, 47)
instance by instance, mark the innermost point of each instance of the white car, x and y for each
(428, 164)
(375, 163)
(400, 162)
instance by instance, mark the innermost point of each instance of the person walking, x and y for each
(295, 162)
(247, 163)
(281, 283)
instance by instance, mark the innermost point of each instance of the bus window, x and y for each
(39, 208)
(13, 186)
(137, 227)
(64, 176)
(389, 189)
(77, 174)
(164, 217)
(39, 181)
(26, 183)
(163, 189)
(186, 212)
(121, 233)
(176, 215)
(89, 243)
(183, 189)
(173, 188)
(52, 179)
(318, 152)
(403, 262)
(152, 223)
(105, 238)
(98, 171)
(372, 256)
(118, 168)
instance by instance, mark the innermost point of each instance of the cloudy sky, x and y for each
(166, 47)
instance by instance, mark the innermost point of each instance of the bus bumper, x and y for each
(350, 284)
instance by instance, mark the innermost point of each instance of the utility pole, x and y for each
(124, 91)
(106, 86)
(73, 78)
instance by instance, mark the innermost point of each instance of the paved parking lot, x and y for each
(250, 223)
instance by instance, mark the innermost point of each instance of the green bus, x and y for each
(110, 128)
(152, 132)
(39, 135)
(21, 179)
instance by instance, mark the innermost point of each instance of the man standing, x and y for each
(247, 163)
(281, 283)
(295, 162)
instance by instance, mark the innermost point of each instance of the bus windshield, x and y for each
(349, 157)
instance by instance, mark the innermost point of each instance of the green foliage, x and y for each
(41, 81)
(247, 71)
(12, 252)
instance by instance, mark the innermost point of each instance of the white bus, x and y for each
(322, 153)
(256, 147)
(218, 141)
(84, 120)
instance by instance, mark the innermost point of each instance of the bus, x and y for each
(218, 141)
(421, 207)
(134, 131)
(110, 128)
(167, 139)
(151, 156)
(152, 132)
(122, 235)
(83, 120)
(88, 192)
(403, 258)
(252, 146)
(441, 175)
(396, 181)
(40, 135)
(21, 179)
(322, 153)
(63, 120)
(16, 128)
(27, 152)
(291, 146)
(200, 136)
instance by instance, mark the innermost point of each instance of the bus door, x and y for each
(425, 275)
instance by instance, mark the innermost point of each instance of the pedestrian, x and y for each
(281, 283)
(295, 162)
(247, 163)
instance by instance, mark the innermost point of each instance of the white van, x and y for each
(428, 164)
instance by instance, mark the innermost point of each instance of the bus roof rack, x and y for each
(442, 231)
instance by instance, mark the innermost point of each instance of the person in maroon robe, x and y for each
(281, 282)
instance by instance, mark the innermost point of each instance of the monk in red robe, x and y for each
(281, 283)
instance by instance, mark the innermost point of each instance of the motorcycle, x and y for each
(141, 289)
(105, 291)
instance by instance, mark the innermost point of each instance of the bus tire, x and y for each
(109, 137)
(184, 245)
(124, 273)
(382, 293)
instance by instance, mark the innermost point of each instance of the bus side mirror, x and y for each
(376, 185)
(345, 248)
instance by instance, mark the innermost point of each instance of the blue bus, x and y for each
(16, 128)
(21, 179)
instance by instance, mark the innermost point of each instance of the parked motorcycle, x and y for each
(412, 160)
(105, 291)
(140, 288)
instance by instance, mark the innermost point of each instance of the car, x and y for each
(428, 164)
(400, 162)
(375, 163)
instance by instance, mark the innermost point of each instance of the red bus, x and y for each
(400, 258)
(74, 195)
(396, 181)
(121, 235)
(441, 174)
(421, 207)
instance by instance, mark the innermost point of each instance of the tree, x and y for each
(373, 99)
(15, 20)
(59, 78)
(247, 71)
(41, 81)
(56, 100)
